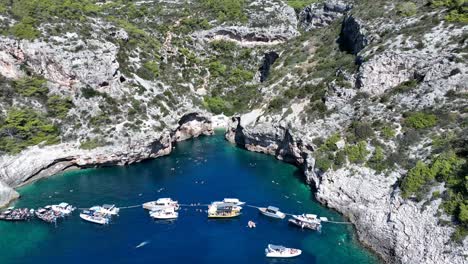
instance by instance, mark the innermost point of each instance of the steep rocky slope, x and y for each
(368, 97)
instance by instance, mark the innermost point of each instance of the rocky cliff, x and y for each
(367, 97)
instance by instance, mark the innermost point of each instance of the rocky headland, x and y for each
(368, 98)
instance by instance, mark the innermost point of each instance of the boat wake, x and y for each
(142, 244)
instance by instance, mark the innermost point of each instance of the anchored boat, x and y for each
(63, 208)
(272, 211)
(48, 215)
(94, 217)
(161, 203)
(20, 214)
(165, 214)
(273, 251)
(223, 211)
(233, 201)
(309, 221)
(106, 209)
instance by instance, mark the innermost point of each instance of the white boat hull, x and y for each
(283, 255)
(96, 220)
(164, 217)
(278, 215)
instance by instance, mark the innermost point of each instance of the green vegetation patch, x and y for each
(227, 10)
(25, 127)
(299, 4)
(58, 106)
(357, 153)
(457, 9)
(92, 143)
(420, 120)
(31, 87)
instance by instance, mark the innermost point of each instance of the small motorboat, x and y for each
(223, 211)
(19, 214)
(251, 224)
(272, 211)
(309, 218)
(161, 203)
(94, 217)
(106, 209)
(63, 208)
(273, 251)
(164, 214)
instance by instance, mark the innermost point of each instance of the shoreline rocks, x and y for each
(383, 220)
(37, 162)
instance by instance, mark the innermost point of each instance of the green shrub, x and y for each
(299, 4)
(330, 143)
(58, 106)
(31, 87)
(217, 105)
(23, 128)
(92, 143)
(217, 69)
(277, 104)
(357, 153)
(388, 132)
(25, 29)
(223, 46)
(377, 161)
(458, 12)
(362, 131)
(407, 8)
(323, 162)
(416, 178)
(226, 10)
(420, 120)
(149, 70)
(239, 76)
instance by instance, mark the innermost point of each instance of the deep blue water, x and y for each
(198, 171)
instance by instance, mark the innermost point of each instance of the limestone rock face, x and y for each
(68, 61)
(319, 15)
(282, 25)
(7, 194)
(389, 69)
(354, 36)
(384, 221)
(193, 125)
(39, 162)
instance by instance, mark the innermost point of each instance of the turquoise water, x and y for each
(198, 171)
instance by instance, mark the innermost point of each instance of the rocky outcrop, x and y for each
(269, 22)
(268, 59)
(389, 69)
(7, 194)
(65, 61)
(353, 36)
(39, 162)
(319, 15)
(383, 220)
(193, 125)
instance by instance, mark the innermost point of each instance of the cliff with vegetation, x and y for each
(367, 97)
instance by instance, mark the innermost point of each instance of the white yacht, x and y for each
(168, 213)
(161, 203)
(93, 217)
(63, 208)
(106, 209)
(272, 211)
(273, 251)
(308, 218)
